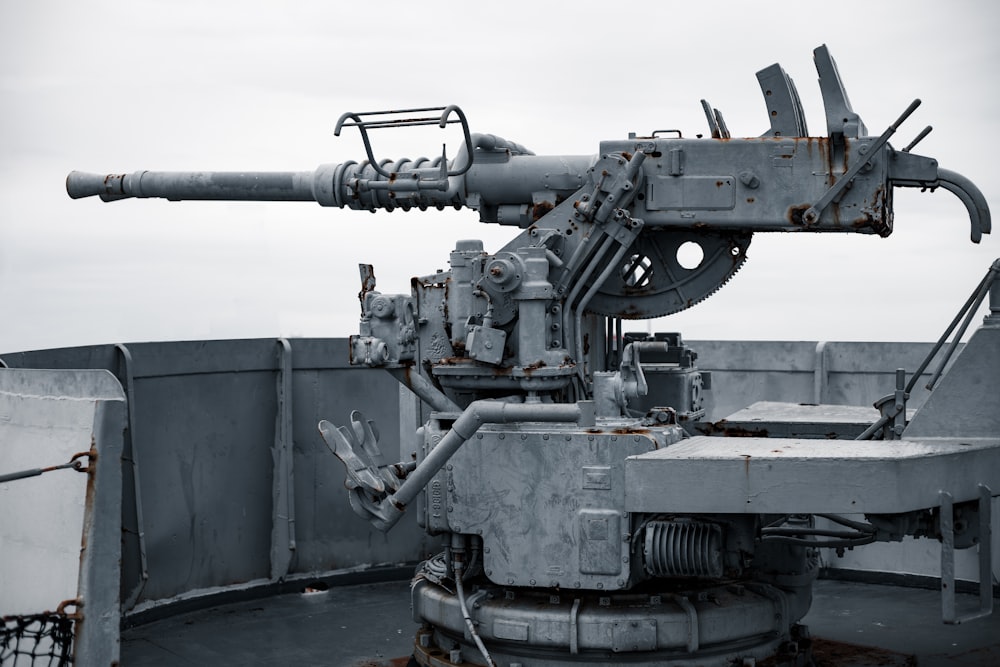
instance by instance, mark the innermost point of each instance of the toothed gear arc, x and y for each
(653, 281)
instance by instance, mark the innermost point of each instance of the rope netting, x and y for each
(44, 639)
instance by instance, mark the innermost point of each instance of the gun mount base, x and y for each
(706, 625)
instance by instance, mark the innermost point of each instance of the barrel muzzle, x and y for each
(81, 184)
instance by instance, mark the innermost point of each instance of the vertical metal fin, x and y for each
(784, 109)
(840, 117)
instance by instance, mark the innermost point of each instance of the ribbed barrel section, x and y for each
(683, 549)
(412, 183)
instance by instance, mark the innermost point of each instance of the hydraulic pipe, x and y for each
(474, 416)
(424, 389)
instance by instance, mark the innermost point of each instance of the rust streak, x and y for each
(530, 369)
(630, 431)
(382, 662)
(540, 209)
(795, 213)
(723, 428)
(90, 499)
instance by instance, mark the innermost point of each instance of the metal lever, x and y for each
(811, 215)
(893, 412)
(632, 378)
(357, 448)
(917, 139)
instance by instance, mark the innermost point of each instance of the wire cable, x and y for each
(468, 620)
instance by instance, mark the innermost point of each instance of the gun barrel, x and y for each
(200, 185)
(502, 180)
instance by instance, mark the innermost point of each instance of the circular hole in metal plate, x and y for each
(690, 255)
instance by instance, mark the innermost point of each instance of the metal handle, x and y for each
(386, 120)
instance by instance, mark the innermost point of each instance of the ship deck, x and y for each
(369, 625)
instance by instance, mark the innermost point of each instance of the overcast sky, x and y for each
(121, 86)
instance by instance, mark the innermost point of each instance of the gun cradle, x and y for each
(767, 184)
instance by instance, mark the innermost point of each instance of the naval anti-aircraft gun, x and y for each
(585, 515)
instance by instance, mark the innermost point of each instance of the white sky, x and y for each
(121, 86)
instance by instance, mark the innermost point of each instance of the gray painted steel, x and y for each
(788, 476)
(204, 415)
(665, 627)
(972, 388)
(532, 333)
(825, 372)
(367, 623)
(45, 414)
(330, 537)
(772, 419)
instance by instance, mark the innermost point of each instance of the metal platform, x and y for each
(854, 625)
(789, 475)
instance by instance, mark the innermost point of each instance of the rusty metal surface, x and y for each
(97, 639)
(772, 419)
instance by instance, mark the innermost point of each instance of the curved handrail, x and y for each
(442, 121)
